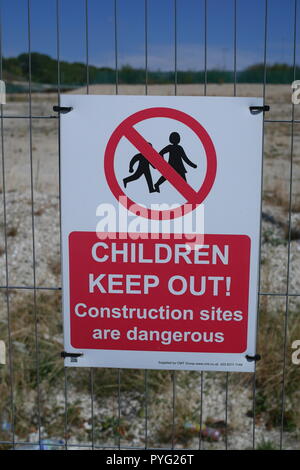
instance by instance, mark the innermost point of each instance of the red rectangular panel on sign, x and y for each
(159, 294)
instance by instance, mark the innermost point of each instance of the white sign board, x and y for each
(160, 231)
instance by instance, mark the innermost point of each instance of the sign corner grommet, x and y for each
(259, 109)
(255, 358)
(62, 109)
(65, 354)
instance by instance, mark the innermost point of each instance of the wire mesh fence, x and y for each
(45, 405)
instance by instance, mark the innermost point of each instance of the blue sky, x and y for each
(131, 31)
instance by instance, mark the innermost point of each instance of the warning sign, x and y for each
(174, 172)
(183, 298)
(160, 231)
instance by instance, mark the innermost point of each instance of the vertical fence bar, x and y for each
(146, 45)
(201, 411)
(119, 408)
(146, 394)
(10, 350)
(58, 72)
(289, 239)
(33, 224)
(205, 93)
(173, 407)
(234, 94)
(175, 93)
(146, 408)
(87, 45)
(175, 48)
(66, 424)
(226, 409)
(117, 92)
(66, 437)
(92, 407)
(205, 47)
(116, 45)
(87, 92)
(234, 45)
(261, 206)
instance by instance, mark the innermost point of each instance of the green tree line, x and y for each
(44, 70)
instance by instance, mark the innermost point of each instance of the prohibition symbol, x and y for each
(126, 129)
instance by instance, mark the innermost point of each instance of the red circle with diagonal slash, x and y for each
(126, 129)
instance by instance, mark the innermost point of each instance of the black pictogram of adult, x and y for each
(142, 169)
(177, 156)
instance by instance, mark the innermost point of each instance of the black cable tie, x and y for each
(62, 109)
(255, 358)
(65, 354)
(259, 109)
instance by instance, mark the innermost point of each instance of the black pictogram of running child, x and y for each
(142, 169)
(177, 156)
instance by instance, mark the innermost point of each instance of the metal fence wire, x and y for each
(43, 404)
